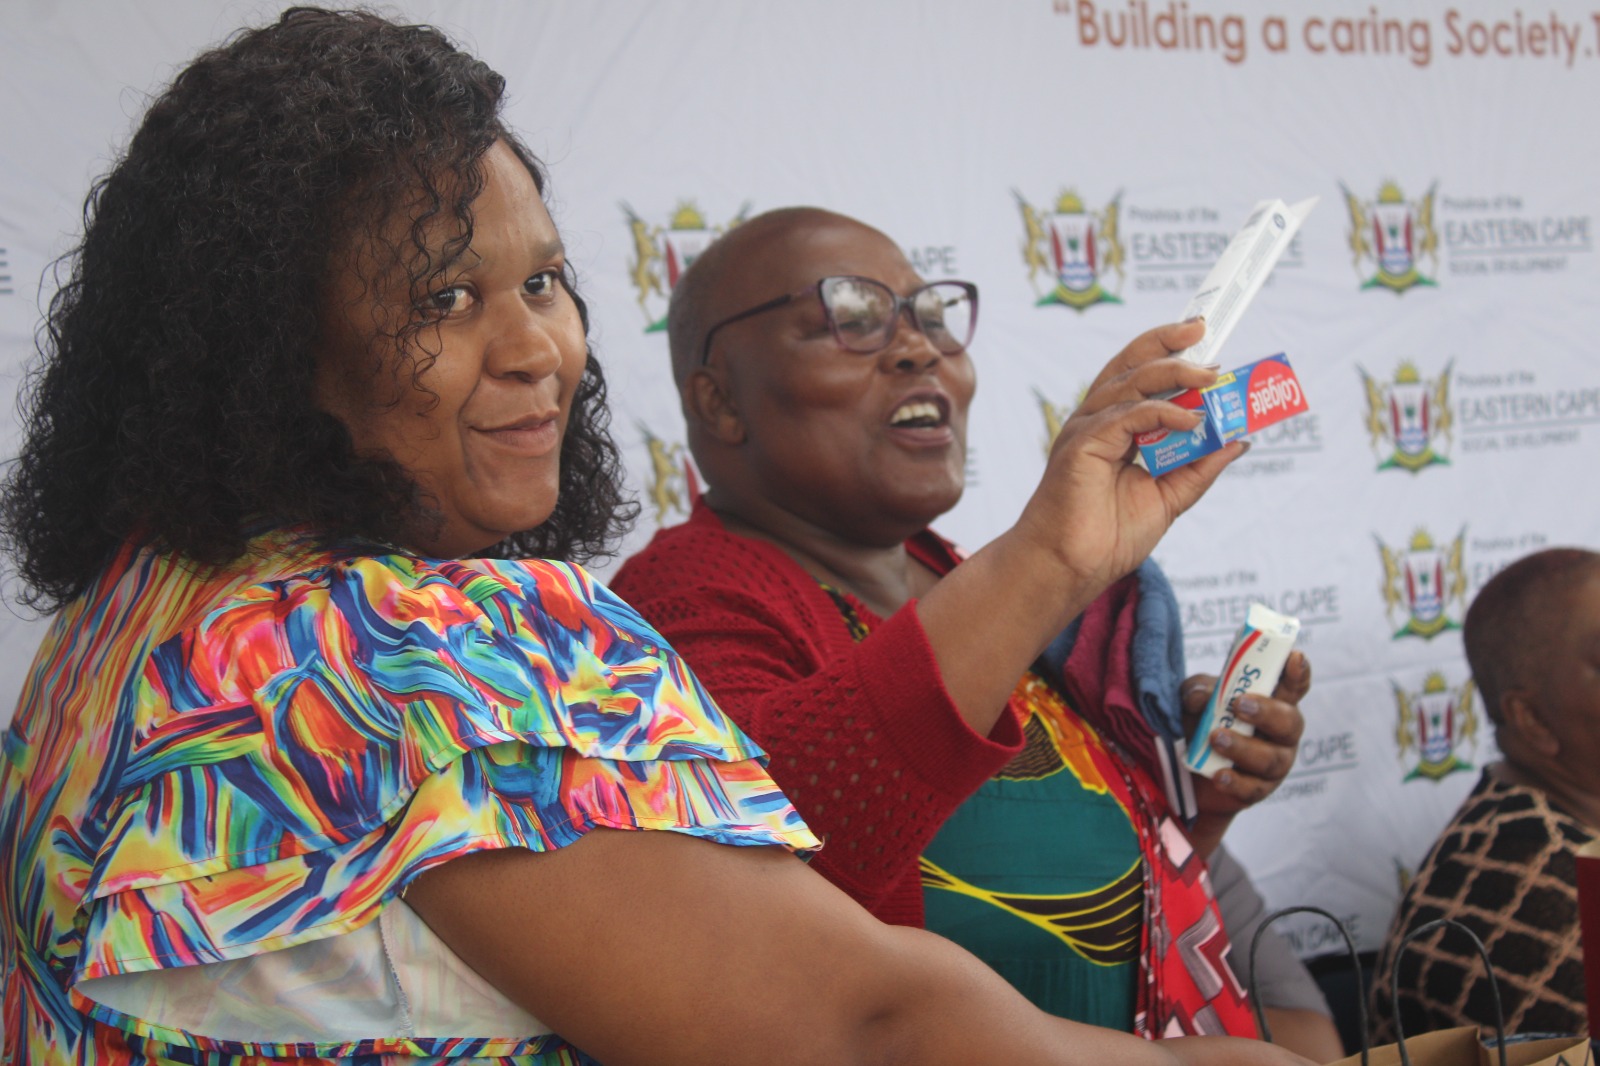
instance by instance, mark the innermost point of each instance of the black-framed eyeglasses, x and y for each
(863, 314)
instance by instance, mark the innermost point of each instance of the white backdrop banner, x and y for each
(1083, 161)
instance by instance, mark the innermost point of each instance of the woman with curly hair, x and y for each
(317, 761)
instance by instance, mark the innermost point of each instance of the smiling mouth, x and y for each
(919, 414)
(526, 422)
(533, 436)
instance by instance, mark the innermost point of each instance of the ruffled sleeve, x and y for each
(318, 741)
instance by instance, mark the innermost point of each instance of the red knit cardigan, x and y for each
(864, 738)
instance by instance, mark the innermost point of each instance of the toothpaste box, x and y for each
(1239, 403)
(1239, 273)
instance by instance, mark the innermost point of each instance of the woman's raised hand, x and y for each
(1096, 511)
(1093, 518)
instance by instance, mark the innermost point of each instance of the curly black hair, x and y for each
(173, 394)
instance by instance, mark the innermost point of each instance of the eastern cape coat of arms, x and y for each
(1410, 418)
(1395, 234)
(1434, 724)
(1422, 582)
(673, 485)
(1075, 249)
(662, 253)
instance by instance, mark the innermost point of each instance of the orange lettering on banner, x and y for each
(1275, 34)
(1169, 27)
(1515, 37)
(1371, 36)
(1173, 26)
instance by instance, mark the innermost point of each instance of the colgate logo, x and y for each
(1277, 392)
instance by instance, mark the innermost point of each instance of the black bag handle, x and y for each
(1350, 945)
(1494, 986)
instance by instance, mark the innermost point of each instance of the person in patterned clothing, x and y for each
(970, 734)
(319, 762)
(1505, 864)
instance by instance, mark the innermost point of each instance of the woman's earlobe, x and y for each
(708, 403)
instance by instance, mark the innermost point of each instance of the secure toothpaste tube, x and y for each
(1254, 664)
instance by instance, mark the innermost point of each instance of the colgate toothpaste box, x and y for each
(1239, 403)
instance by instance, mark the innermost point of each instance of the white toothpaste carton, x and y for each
(1255, 662)
(1240, 272)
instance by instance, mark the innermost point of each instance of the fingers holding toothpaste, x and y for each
(1097, 512)
(1152, 344)
(1295, 681)
(1144, 368)
(1260, 762)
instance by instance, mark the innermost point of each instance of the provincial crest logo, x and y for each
(1433, 726)
(1395, 233)
(1423, 581)
(673, 485)
(662, 254)
(1409, 416)
(1055, 415)
(1075, 249)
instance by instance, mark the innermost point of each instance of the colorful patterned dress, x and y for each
(223, 767)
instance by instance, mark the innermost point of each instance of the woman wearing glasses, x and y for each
(316, 764)
(826, 388)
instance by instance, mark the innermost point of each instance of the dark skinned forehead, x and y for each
(769, 255)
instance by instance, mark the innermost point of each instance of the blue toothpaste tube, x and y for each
(1255, 662)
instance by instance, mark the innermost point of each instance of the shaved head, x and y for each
(1509, 627)
(704, 294)
(786, 424)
